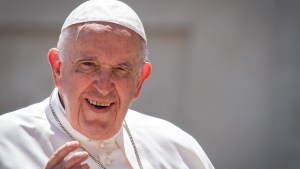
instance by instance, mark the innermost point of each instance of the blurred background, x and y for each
(225, 71)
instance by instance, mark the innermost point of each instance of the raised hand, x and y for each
(74, 161)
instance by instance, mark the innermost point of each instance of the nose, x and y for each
(103, 82)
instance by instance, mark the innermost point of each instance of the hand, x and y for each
(59, 160)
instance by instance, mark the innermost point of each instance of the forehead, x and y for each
(107, 35)
(101, 30)
(107, 39)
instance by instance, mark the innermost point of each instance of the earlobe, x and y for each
(145, 75)
(55, 64)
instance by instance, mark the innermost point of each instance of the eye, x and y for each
(121, 72)
(87, 66)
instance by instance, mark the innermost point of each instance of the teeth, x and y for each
(99, 103)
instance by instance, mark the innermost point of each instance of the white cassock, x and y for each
(31, 135)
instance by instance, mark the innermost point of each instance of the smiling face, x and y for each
(101, 73)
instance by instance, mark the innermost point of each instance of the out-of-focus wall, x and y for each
(226, 71)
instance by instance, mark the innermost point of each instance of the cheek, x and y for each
(73, 86)
(72, 80)
(127, 89)
(73, 89)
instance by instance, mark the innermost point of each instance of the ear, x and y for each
(55, 63)
(145, 74)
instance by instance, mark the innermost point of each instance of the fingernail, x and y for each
(85, 154)
(73, 143)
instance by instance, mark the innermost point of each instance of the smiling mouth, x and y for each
(99, 105)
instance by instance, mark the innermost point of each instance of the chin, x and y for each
(98, 130)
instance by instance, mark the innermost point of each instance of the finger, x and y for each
(85, 166)
(76, 159)
(59, 155)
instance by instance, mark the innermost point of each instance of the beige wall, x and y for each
(226, 71)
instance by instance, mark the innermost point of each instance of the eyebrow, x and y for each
(126, 64)
(87, 58)
(84, 58)
(91, 58)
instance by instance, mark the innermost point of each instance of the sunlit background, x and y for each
(225, 71)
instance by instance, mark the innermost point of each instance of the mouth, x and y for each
(99, 105)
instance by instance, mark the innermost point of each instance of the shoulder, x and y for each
(21, 130)
(152, 124)
(160, 130)
(29, 117)
(168, 140)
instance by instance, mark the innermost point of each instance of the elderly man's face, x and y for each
(100, 75)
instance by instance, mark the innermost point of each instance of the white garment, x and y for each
(30, 136)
